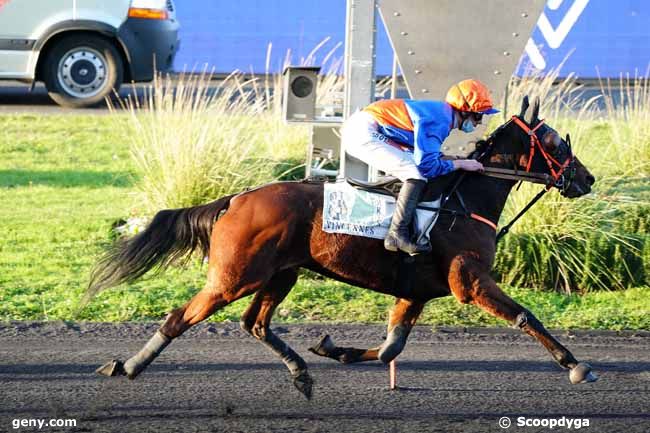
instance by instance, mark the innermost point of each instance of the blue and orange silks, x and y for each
(422, 125)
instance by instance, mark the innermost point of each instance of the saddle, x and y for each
(389, 185)
(385, 185)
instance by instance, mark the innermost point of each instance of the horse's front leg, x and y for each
(401, 320)
(471, 283)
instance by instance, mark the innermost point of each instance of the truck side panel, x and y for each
(16, 16)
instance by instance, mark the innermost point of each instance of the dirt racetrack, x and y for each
(216, 379)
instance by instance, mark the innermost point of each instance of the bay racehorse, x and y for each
(257, 240)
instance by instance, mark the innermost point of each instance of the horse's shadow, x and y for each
(15, 371)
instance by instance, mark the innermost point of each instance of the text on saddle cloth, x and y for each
(358, 212)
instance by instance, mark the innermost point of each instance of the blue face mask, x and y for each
(467, 126)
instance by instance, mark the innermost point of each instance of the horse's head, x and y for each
(531, 145)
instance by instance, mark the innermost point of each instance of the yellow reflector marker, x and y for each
(151, 14)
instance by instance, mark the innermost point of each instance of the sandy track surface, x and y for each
(216, 379)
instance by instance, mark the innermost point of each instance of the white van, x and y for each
(83, 49)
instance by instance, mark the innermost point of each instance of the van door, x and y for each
(21, 23)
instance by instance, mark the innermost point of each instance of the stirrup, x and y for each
(394, 244)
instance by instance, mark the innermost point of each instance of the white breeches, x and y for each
(361, 139)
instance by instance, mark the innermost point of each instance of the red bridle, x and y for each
(535, 143)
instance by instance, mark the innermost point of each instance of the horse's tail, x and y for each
(173, 234)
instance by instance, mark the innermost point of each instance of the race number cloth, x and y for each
(353, 211)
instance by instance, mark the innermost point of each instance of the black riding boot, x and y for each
(399, 235)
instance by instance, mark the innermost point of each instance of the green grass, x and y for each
(64, 180)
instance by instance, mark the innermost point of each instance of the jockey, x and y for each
(403, 138)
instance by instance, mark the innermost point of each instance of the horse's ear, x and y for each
(534, 116)
(524, 106)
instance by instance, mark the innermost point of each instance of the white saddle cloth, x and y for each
(353, 211)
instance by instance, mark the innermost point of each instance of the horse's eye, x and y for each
(557, 140)
(552, 141)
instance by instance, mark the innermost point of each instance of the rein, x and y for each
(505, 229)
(509, 174)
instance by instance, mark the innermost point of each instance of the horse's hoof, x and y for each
(112, 368)
(304, 383)
(582, 373)
(324, 347)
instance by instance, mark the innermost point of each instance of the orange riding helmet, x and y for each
(471, 95)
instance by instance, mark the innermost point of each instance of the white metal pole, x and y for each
(359, 71)
(393, 82)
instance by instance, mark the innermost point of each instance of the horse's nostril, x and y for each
(591, 180)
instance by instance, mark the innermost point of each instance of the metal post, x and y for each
(393, 82)
(359, 55)
(359, 71)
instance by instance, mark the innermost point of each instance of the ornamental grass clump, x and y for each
(193, 142)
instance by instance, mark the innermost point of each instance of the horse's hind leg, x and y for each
(401, 320)
(256, 320)
(471, 284)
(200, 307)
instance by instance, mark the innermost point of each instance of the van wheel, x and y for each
(79, 71)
